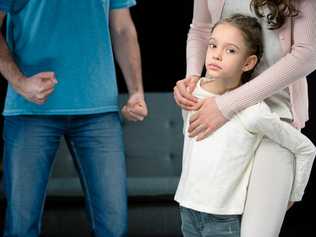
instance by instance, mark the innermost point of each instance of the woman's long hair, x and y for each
(278, 11)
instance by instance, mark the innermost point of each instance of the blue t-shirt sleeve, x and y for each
(6, 5)
(116, 4)
(12, 6)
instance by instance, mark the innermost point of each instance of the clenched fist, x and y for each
(135, 108)
(36, 88)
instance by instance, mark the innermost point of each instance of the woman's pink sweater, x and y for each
(298, 41)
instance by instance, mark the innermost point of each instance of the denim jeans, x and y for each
(95, 142)
(199, 224)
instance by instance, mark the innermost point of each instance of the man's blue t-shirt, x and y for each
(72, 39)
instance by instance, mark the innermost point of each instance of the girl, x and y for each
(290, 54)
(215, 174)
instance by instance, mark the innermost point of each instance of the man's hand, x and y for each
(206, 120)
(183, 92)
(36, 88)
(136, 108)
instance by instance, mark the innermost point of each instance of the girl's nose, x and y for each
(217, 54)
(217, 57)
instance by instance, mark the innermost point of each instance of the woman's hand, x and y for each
(183, 92)
(206, 120)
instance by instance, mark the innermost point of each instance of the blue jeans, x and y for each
(199, 224)
(95, 142)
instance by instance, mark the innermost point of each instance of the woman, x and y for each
(290, 55)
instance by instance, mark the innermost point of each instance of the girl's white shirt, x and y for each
(215, 171)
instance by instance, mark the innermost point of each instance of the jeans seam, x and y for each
(44, 194)
(85, 186)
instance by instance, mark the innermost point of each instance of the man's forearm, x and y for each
(127, 53)
(8, 67)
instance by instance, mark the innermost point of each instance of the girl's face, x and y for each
(227, 55)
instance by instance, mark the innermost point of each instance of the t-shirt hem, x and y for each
(126, 5)
(62, 111)
(209, 209)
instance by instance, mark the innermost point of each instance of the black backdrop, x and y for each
(162, 28)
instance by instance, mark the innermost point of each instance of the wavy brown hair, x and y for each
(278, 11)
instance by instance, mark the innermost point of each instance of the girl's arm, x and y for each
(198, 38)
(297, 64)
(260, 120)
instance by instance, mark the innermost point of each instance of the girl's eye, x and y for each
(212, 46)
(231, 51)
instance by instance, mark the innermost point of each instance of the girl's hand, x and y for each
(290, 204)
(183, 92)
(135, 108)
(206, 120)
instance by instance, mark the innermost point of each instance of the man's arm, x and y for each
(8, 67)
(126, 50)
(36, 88)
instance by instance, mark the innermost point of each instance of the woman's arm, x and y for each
(198, 38)
(301, 61)
(297, 64)
(197, 42)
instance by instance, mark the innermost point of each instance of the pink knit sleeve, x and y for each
(295, 65)
(198, 37)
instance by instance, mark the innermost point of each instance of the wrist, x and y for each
(137, 93)
(193, 76)
(17, 82)
(224, 106)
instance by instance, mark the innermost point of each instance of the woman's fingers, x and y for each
(181, 100)
(206, 120)
(183, 93)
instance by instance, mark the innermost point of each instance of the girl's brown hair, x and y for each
(278, 11)
(252, 34)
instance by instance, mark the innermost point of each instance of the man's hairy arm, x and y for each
(8, 67)
(126, 50)
(36, 88)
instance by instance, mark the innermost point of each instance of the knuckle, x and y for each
(40, 89)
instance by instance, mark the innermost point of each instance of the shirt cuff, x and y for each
(296, 197)
(126, 4)
(225, 106)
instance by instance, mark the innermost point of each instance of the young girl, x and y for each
(215, 171)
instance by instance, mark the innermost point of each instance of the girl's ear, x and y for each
(250, 63)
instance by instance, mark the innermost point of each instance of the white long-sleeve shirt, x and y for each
(216, 170)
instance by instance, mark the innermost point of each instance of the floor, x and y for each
(69, 220)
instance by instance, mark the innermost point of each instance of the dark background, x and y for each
(162, 30)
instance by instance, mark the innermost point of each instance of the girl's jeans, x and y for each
(199, 224)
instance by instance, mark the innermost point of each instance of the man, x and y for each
(58, 61)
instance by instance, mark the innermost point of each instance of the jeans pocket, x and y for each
(225, 225)
(225, 218)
